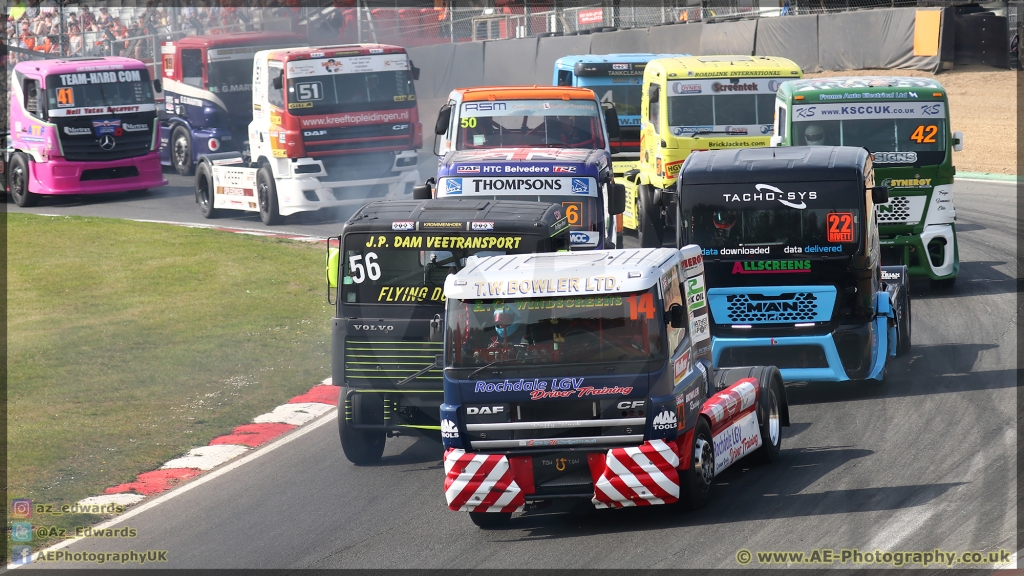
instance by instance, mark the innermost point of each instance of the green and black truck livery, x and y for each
(388, 267)
(904, 123)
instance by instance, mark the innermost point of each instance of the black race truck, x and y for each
(791, 252)
(389, 266)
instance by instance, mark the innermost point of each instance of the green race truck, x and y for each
(904, 123)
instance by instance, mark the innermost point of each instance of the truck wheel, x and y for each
(903, 329)
(651, 229)
(770, 426)
(266, 191)
(204, 190)
(18, 183)
(490, 520)
(181, 151)
(695, 482)
(361, 447)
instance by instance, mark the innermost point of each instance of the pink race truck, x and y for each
(81, 126)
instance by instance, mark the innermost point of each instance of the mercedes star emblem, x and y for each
(107, 142)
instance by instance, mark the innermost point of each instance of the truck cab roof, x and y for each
(237, 39)
(524, 93)
(923, 88)
(561, 274)
(786, 164)
(683, 67)
(459, 215)
(67, 65)
(336, 51)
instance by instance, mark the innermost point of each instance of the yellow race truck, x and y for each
(697, 103)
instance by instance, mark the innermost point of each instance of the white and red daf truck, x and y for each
(588, 375)
(332, 126)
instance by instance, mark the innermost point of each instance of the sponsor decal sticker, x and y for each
(563, 169)
(736, 441)
(700, 329)
(467, 170)
(580, 186)
(403, 226)
(899, 183)
(666, 420)
(894, 157)
(448, 429)
(72, 131)
(102, 127)
(453, 186)
(768, 193)
(481, 226)
(772, 267)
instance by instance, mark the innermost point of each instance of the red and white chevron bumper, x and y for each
(481, 483)
(638, 476)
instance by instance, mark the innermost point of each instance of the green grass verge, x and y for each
(130, 343)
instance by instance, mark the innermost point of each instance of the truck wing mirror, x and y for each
(156, 85)
(677, 316)
(958, 141)
(611, 118)
(444, 116)
(631, 175)
(879, 194)
(616, 199)
(423, 191)
(414, 71)
(276, 83)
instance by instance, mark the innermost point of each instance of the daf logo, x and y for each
(485, 410)
(107, 142)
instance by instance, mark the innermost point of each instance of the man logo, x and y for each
(665, 421)
(448, 429)
(474, 410)
(107, 143)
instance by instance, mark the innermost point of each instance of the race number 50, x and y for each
(361, 273)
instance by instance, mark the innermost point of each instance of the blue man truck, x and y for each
(617, 79)
(791, 249)
(207, 83)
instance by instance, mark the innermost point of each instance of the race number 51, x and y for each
(310, 90)
(840, 226)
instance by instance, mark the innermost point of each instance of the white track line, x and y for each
(197, 482)
(984, 181)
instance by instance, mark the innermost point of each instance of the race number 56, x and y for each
(361, 273)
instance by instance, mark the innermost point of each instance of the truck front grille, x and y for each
(84, 145)
(772, 305)
(556, 424)
(382, 364)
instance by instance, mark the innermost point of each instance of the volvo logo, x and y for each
(107, 142)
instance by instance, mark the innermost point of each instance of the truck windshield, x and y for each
(625, 98)
(230, 76)
(538, 123)
(566, 330)
(923, 138)
(349, 84)
(66, 92)
(409, 268)
(731, 106)
(775, 231)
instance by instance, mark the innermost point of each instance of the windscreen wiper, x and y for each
(492, 363)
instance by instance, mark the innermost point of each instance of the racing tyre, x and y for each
(944, 284)
(181, 151)
(361, 447)
(204, 190)
(266, 192)
(770, 425)
(490, 520)
(695, 482)
(651, 229)
(17, 181)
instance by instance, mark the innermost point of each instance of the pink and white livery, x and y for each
(81, 126)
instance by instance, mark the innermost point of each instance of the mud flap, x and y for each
(880, 347)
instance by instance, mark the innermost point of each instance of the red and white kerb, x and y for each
(480, 483)
(638, 476)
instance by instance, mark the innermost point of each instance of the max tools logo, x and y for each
(665, 421)
(768, 193)
(448, 429)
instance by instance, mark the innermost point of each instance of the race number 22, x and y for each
(840, 226)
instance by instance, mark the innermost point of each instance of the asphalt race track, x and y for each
(926, 461)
